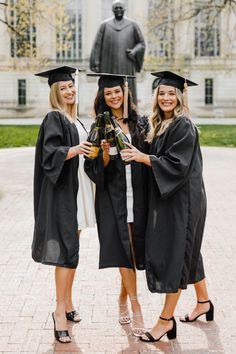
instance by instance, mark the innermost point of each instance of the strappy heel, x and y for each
(124, 317)
(136, 320)
(60, 334)
(171, 334)
(209, 314)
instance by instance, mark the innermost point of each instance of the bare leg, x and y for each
(124, 316)
(61, 280)
(123, 293)
(129, 284)
(161, 327)
(202, 295)
(69, 303)
(129, 278)
(71, 276)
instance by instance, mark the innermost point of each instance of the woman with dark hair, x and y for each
(177, 205)
(121, 198)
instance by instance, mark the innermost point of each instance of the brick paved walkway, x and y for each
(27, 289)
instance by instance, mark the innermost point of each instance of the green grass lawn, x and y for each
(26, 135)
(218, 135)
(18, 135)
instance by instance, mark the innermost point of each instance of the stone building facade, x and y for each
(205, 52)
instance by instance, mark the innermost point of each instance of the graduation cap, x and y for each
(63, 73)
(112, 80)
(171, 79)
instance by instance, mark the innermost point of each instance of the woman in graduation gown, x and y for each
(177, 206)
(121, 198)
(55, 240)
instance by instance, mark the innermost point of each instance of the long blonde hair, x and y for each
(157, 116)
(56, 102)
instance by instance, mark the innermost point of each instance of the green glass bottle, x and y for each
(121, 138)
(94, 136)
(110, 136)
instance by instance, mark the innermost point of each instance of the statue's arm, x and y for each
(137, 52)
(96, 49)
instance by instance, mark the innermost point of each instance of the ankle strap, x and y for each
(203, 302)
(166, 319)
(133, 298)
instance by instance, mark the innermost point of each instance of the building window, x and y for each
(207, 33)
(106, 8)
(69, 36)
(160, 29)
(23, 35)
(208, 91)
(21, 92)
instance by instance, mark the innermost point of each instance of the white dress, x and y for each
(129, 191)
(85, 199)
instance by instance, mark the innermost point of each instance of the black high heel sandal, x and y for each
(72, 315)
(171, 334)
(60, 334)
(209, 314)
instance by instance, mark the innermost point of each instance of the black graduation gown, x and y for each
(111, 209)
(55, 240)
(177, 209)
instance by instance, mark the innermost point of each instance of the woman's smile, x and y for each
(114, 97)
(67, 91)
(167, 99)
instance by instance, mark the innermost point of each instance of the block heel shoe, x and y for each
(171, 334)
(209, 314)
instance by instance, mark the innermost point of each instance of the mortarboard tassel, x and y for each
(77, 89)
(185, 94)
(126, 90)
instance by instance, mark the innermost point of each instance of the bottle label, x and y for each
(113, 150)
(94, 152)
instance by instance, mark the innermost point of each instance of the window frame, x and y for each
(22, 92)
(209, 91)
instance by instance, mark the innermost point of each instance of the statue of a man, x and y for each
(119, 46)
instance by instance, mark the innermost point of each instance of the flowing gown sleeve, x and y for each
(171, 169)
(53, 151)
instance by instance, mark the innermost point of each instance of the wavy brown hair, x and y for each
(158, 116)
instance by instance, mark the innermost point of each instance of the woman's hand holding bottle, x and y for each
(133, 154)
(105, 145)
(85, 148)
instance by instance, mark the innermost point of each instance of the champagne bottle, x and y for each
(110, 136)
(94, 137)
(121, 138)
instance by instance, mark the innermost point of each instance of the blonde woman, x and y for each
(177, 206)
(55, 239)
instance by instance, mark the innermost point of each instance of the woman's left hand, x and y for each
(85, 148)
(133, 154)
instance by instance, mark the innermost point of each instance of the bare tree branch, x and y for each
(9, 26)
